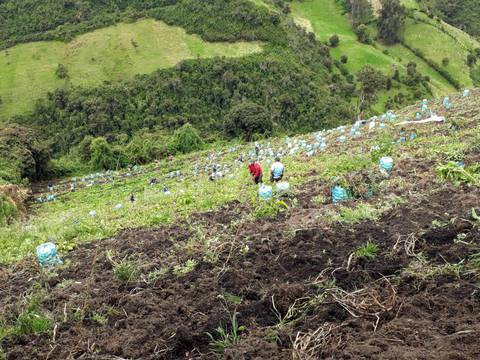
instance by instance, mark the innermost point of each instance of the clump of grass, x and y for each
(32, 320)
(269, 209)
(156, 274)
(183, 269)
(367, 251)
(225, 338)
(360, 213)
(125, 270)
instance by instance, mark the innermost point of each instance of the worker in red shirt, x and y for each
(256, 171)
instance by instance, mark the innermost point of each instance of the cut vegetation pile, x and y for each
(392, 276)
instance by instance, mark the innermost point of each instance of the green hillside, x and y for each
(27, 71)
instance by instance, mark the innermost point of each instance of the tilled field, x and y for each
(294, 283)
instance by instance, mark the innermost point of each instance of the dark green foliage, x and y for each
(31, 20)
(361, 11)
(61, 72)
(445, 62)
(197, 92)
(248, 119)
(344, 59)
(24, 153)
(459, 13)
(104, 156)
(8, 210)
(334, 40)
(185, 140)
(471, 60)
(391, 21)
(363, 34)
(372, 81)
(475, 75)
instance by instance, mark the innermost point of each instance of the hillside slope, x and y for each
(110, 54)
(391, 273)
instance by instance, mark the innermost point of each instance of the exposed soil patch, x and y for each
(307, 276)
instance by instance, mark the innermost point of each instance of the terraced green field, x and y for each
(326, 19)
(27, 71)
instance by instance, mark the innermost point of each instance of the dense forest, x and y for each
(294, 85)
(463, 14)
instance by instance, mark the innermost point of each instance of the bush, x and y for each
(344, 59)
(61, 72)
(185, 140)
(334, 40)
(445, 62)
(363, 34)
(102, 155)
(471, 60)
(8, 210)
(247, 119)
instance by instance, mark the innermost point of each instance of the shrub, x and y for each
(61, 72)
(471, 60)
(445, 62)
(185, 140)
(344, 59)
(8, 210)
(102, 156)
(334, 40)
(367, 251)
(363, 34)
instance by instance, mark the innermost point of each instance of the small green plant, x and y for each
(224, 338)
(99, 318)
(156, 274)
(32, 320)
(77, 315)
(270, 209)
(367, 251)
(474, 260)
(183, 269)
(125, 270)
(457, 175)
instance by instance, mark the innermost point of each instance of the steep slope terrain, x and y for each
(390, 274)
(110, 54)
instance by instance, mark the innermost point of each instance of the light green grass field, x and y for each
(27, 71)
(437, 45)
(326, 18)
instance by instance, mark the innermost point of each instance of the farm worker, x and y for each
(403, 137)
(277, 170)
(413, 134)
(256, 171)
(50, 187)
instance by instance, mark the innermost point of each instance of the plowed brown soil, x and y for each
(380, 309)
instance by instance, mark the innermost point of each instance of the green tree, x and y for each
(102, 155)
(186, 139)
(334, 40)
(391, 21)
(371, 82)
(363, 34)
(361, 10)
(247, 119)
(471, 60)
